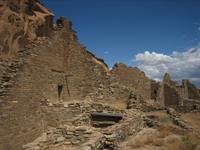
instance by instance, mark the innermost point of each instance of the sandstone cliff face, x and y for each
(22, 21)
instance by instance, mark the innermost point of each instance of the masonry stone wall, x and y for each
(52, 66)
(171, 93)
(168, 94)
(154, 89)
(190, 91)
(132, 78)
(34, 81)
(55, 69)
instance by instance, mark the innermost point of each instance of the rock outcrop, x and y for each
(22, 21)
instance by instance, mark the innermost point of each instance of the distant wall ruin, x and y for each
(171, 93)
(190, 91)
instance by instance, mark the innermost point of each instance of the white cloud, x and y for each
(153, 58)
(199, 28)
(181, 65)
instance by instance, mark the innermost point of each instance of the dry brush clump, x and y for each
(190, 142)
(164, 137)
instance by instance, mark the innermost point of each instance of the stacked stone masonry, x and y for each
(43, 66)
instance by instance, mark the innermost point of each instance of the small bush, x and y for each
(189, 143)
(164, 119)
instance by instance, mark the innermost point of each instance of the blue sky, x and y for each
(120, 30)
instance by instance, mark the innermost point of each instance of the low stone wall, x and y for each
(80, 134)
(112, 137)
(63, 135)
(73, 113)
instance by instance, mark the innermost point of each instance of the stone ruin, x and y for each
(86, 126)
(173, 94)
(44, 70)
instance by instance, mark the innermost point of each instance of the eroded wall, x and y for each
(37, 72)
(132, 78)
(22, 21)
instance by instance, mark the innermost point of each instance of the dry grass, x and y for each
(188, 143)
(164, 131)
(173, 142)
(147, 137)
(165, 137)
(192, 118)
(161, 116)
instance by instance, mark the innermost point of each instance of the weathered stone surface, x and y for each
(171, 93)
(22, 21)
(167, 80)
(132, 78)
(190, 91)
(87, 137)
(168, 95)
(134, 101)
(151, 122)
(154, 89)
(44, 70)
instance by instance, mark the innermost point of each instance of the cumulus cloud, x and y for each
(181, 65)
(153, 58)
